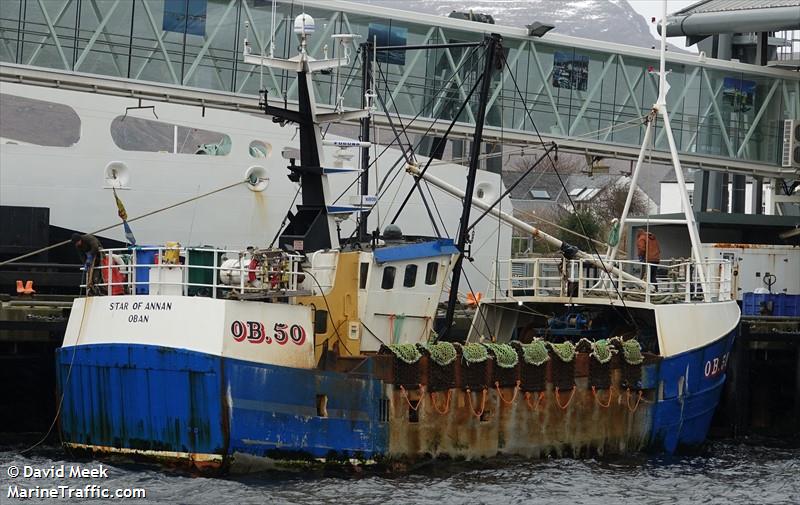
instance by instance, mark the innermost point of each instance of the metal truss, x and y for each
(588, 116)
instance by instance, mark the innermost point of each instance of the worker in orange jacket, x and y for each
(649, 252)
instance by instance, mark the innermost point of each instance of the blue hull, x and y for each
(691, 384)
(154, 399)
(159, 400)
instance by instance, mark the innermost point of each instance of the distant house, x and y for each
(540, 196)
(541, 190)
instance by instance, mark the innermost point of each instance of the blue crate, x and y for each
(757, 304)
(789, 305)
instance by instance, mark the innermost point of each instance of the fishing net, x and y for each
(600, 365)
(535, 353)
(442, 371)
(533, 370)
(632, 364)
(565, 351)
(406, 365)
(504, 355)
(505, 371)
(601, 351)
(474, 374)
(632, 352)
(562, 370)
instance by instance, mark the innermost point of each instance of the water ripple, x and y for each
(731, 473)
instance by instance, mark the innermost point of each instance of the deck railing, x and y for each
(673, 281)
(193, 271)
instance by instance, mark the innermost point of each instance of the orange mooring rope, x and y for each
(483, 403)
(538, 401)
(500, 394)
(571, 396)
(446, 402)
(628, 400)
(599, 402)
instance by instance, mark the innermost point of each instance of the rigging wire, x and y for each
(628, 312)
(136, 218)
(424, 107)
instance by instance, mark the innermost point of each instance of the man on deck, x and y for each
(89, 249)
(648, 251)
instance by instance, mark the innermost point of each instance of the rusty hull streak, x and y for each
(584, 427)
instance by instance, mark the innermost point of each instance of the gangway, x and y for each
(586, 95)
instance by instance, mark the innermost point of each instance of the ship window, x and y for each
(138, 134)
(322, 405)
(410, 277)
(413, 411)
(388, 278)
(260, 149)
(362, 276)
(430, 273)
(38, 122)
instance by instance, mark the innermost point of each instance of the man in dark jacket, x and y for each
(89, 249)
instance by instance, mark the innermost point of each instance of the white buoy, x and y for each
(304, 24)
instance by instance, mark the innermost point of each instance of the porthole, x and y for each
(256, 177)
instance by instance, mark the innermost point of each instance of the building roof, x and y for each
(705, 6)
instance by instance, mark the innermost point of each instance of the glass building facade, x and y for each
(556, 85)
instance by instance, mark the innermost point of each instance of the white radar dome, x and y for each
(304, 24)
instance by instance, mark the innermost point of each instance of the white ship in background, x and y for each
(98, 144)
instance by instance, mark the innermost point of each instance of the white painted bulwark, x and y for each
(687, 326)
(276, 334)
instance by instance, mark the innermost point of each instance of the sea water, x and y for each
(724, 472)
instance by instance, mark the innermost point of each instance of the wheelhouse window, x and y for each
(388, 278)
(410, 277)
(430, 273)
(363, 271)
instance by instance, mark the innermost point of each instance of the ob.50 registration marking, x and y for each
(255, 332)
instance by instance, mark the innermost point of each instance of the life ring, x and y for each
(252, 268)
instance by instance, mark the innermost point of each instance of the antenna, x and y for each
(272, 31)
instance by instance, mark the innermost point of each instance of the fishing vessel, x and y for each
(325, 350)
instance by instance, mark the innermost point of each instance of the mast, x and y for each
(660, 108)
(366, 77)
(492, 48)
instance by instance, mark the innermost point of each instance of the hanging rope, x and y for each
(446, 402)
(142, 216)
(628, 400)
(599, 402)
(500, 393)
(538, 400)
(571, 396)
(483, 402)
(404, 394)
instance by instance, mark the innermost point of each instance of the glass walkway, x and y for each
(576, 90)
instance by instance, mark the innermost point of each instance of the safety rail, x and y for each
(194, 271)
(672, 281)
